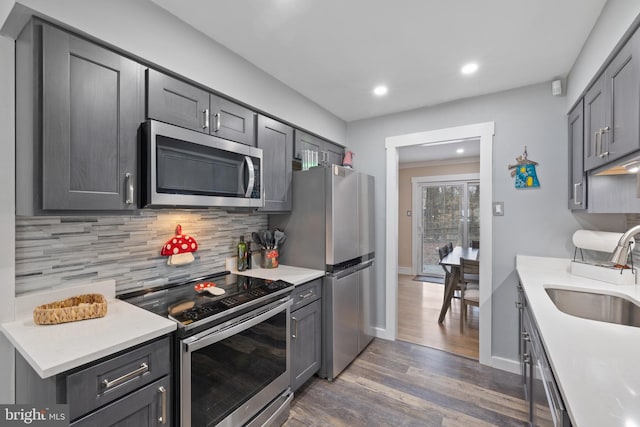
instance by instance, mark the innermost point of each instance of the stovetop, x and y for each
(182, 303)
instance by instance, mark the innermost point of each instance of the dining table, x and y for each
(452, 260)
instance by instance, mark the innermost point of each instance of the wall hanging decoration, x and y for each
(525, 171)
(179, 248)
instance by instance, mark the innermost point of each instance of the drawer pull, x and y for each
(126, 377)
(163, 394)
(307, 295)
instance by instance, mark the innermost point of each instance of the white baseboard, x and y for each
(383, 333)
(503, 364)
(405, 270)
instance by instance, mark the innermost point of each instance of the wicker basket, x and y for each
(80, 307)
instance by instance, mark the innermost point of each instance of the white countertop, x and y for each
(595, 363)
(294, 275)
(52, 349)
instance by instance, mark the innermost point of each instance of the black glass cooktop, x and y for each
(191, 304)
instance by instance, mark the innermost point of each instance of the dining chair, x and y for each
(475, 244)
(469, 287)
(443, 251)
(450, 246)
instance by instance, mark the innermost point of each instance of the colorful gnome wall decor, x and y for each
(525, 171)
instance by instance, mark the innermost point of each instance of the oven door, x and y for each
(232, 371)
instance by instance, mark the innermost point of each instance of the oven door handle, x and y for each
(226, 333)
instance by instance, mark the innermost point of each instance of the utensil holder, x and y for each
(269, 258)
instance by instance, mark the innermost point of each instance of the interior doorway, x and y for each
(484, 132)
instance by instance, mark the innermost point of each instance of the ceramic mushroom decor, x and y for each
(180, 248)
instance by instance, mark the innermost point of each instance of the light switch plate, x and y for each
(498, 208)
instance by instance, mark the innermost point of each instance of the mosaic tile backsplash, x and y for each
(58, 251)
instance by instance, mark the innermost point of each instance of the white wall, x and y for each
(7, 211)
(147, 31)
(536, 221)
(615, 19)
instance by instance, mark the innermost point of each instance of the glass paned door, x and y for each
(449, 213)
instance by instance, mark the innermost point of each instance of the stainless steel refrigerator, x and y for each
(331, 228)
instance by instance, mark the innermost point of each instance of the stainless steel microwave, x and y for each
(186, 168)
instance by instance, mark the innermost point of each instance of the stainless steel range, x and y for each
(233, 348)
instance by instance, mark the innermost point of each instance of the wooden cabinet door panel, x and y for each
(92, 107)
(306, 342)
(594, 120)
(622, 116)
(142, 408)
(577, 176)
(276, 141)
(173, 101)
(304, 141)
(232, 121)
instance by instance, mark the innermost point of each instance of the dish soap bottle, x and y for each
(242, 254)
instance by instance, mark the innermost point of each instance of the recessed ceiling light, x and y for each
(469, 68)
(380, 90)
(460, 150)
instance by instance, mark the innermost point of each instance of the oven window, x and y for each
(227, 373)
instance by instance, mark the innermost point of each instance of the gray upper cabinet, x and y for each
(577, 176)
(612, 108)
(77, 123)
(334, 154)
(328, 153)
(276, 141)
(232, 121)
(173, 101)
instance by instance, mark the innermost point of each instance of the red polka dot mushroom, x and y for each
(179, 248)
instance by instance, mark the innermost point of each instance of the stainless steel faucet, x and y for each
(621, 252)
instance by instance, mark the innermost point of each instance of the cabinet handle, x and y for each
(205, 113)
(525, 336)
(518, 305)
(294, 335)
(129, 186)
(526, 358)
(163, 410)
(597, 135)
(575, 193)
(144, 368)
(216, 124)
(307, 295)
(602, 132)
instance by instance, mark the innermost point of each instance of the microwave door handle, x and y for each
(252, 176)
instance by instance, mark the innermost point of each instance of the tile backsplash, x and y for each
(57, 251)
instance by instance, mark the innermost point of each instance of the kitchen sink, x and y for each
(595, 306)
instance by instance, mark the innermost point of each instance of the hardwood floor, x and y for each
(403, 384)
(419, 306)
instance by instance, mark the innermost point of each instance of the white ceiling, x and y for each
(335, 51)
(447, 150)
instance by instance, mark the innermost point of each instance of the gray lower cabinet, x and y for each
(78, 109)
(306, 332)
(328, 153)
(577, 175)
(612, 109)
(182, 104)
(276, 141)
(130, 388)
(544, 401)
